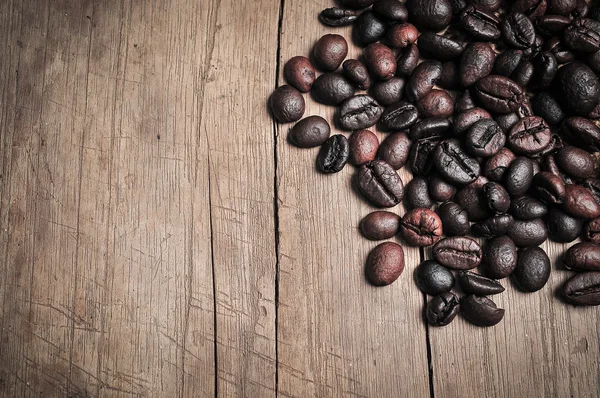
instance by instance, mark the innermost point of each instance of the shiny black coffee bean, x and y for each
(476, 62)
(529, 136)
(388, 92)
(454, 218)
(549, 188)
(368, 28)
(499, 257)
(335, 16)
(533, 269)
(310, 132)
(552, 24)
(417, 194)
(385, 264)
(329, 52)
(562, 227)
(524, 72)
(560, 52)
(454, 164)
(561, 7)
(359, 112)
(380, 61)
(580, 202)
(464, 102)
(357, 72)
(399, 116)
(439, 47)
(496, 197)
(332, 89)
(583, 35)
(480, 23)
(583, 256)
(471, 199)
(517, 30)
(548, 108)
(518, 176)
(457, 252)
(583, 289)
(434, 15)
(578, 88)
(395, 150)
(391, 10)
(464, 120)
(576, 162)
(380, 225)
(429, 127)
(527, 208)
(484, 139)
(380, 184)
(493, 226)
(480, 311)
(528, 233)
(421, 227)
(421, 154)
(406, 60)
(533, 9)
(334, 154)
(442, 309)
(299, 73)
(507, 62)
(363, 147)
(496, 166)
(440, 190)
(433, 278)
(545, 66)
(499, 94)
(472, 283)
(582, 132)
(287, 104)
(423, 79)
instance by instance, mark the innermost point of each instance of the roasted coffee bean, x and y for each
(593, 61)
(363, 147)
(552, 24)
(593, 185)
(407, 60)
(507, 120)
(421, 227)
(457, 252)
(380, 184)
(442, 309)
(560, 52)
(436, 103)
(385, 263)
(380, 225)
(496, 197)
(357, 72)
(561, 7)
(562, 227)
(458, 6)
(391, 10)
(499, 257)
(484, 139)
(518, 176)
(399, 116)
(440, 190)
(454, 218)
(594, 12)
(464, 102)
(368, 28)
(380, 61)
(583, 132)
(434, 15)
(356, 4)
(527, 208)
(395, 150)
(492, 5)
(287, 104)
(476, 62)
(499, 94)
(583, 256)
(480, 23)
(545, 66)
(402, 35)
(359, 112)
(334, 154)
(579, 202)
(523, 74)
(493, 226)
(507, 62)
(433, 278)
(517, 30)
(549, 188)
(472, 200)
(310, 132)
(472, 283)
(551, 166)
(450, 79)
(548, 108)
(422, 80)
(454, 164)
(576, 162)
(388, 92)
(583, 289)
(332, 89)
(441, 48)
(430, 127)
(533, 9)
(533, 269)
(496, 166)
(417, 194)
(464, 120)
(299, 73)
(591, 231)
(329, 52)
(528, 233)
(480, 311)
(578, 88)
(529, 136)
(421, 154)
(581, 9)
(335, 16)
(583, 35)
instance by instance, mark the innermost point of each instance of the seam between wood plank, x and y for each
(427, 337)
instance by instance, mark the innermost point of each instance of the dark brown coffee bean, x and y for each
(562, 227)
(581, 9)
(433, 278)
(496, 166)
(385, 264)
(450, 79)
(582, 132)
(310, 132)
(430, 127)
(334, 154)
(457, 252)
(523, 73)
(422, 80)
(368, 28)
(476, 62)
(528, 233)
(380, 61)
(529, 136)
(518, 176)
(493, 226)
(395, 150)
(472, 200)
(593, 61)
(507, 120)
(380, 184)
(496, 197)
(579, 202)
(332, 89)
(492, 5)
(417, 194)
(441, 48)
(583, 289)
(421, 227)
(359, 112)
(464, 120)
(551, 25)
(464, 102)
(499, 257)
(549, 188)
(454, 164)
(436, 103)
(388, 92)
(399, 116)
(507, 62)
(583, 35)
(480, 311)
(407, 60)
(533, 9)
(442, 309)
(545, 66)
(299, 73)
(454, 219)
(335, 16)
(402, 35)
(380, 225)
(527, 208)
(363, 147)
(434, 15)
(329, 52)
(533, 269)
(287, 104)
(578, 88)
(480, 23)
(391, 10)
(357, 73)
(561, 7)
(548, 108)
(440, 190)
(517, 30)
(499, 94)
(575, 162)
(484, 139)
(593, 185)
(472, 283)
(421, 154)
(591, 231)
(560, 52)
(583, 256)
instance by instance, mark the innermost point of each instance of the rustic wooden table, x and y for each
(160, 237)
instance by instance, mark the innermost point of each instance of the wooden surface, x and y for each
(161, 238)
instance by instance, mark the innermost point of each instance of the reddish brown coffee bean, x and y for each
(330, 51)
(357, 73)
(402, 35)
(436, 103)
(421, 227)
(287, 104)
(457, 252)
(529, 136)
(579, 202)
(299, 73)
(363, 147)
(476, 62)
(380, 60)
(395, 150)
(385, 264)
(380, 225)
(576, 162)
(591, 231)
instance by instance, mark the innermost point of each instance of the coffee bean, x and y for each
(356, 4)
(583, 256)
(335, 16)
(472, 283)
(287, 104)
(363, 147)
(421, 227)
(582, 132)
(458, 6)
(380, 184)
(472, 200)
(545, 66)
(592, 185)
(454, 164)
(433, 278)
(464, 102)
(454, 219)
(499, 257)
(581, 9)
(591, 231)
(593, 61)
(407, 60)
(436, 103)
(517, 30)
(329, 52)
(476, 62)
(421, 154)
(507, 120)
(507, 62)
(533, 9)
(527, 208)
(434, 15)
(578, 88)
(583, 35)
(529, 136)
(575, 162)
(334, 154)
(528, 233)
(380, 61)
(422, 80)
(388, 92)
(385, 263)
(464, 120)
(380, 225)
(551, 25)
(429, 127)
(402, 35)
(332, 89)
(484, 139)
(583, 289)
(359, 112)
(357, 72)
(561, 7)
(523, 73)
(457, 252)
(496, 166)
(496, 197)
(579, 202)
(439, 47)
(417, 194)
(395, 150)
(547, 107)
(492, 5)
(310, 132)
(499, 94)
(442, 309)
(533, 269)
(493, 226)
(518, 177)
(480, 311)
(549, 188)
(390, 10)
(299, 73)
(560, 52)
(368, 28)
(480, 23)
(399, 116)
(450, 79)
(562, 227)
(440, 190)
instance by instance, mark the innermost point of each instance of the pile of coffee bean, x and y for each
(495, 108)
